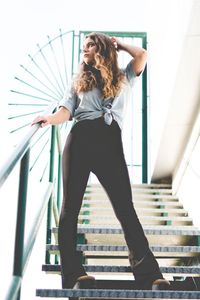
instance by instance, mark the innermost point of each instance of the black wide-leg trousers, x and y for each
(94, 146)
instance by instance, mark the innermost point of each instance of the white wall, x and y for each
(166, 36)
(186, 180)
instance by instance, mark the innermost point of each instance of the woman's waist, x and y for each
(95, 124)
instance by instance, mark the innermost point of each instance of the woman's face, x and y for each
(89, 50)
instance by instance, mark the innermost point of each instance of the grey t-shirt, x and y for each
(92, 105)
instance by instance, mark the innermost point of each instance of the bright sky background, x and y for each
(23, 24)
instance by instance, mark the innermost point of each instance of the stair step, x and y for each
(136, 197)
(142, 218)
(140, 210)
(134, 191)
(145, 220)
(117, 294)
(190, 250)
(140, 203)
(179, 235)
(149, 230)
(148, 186)
(194, 270)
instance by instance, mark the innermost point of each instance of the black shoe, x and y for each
(85, 282)
(160, 285)
(73, 281)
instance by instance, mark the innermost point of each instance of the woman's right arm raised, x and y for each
(61, 116)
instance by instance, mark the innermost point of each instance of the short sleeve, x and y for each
(130, 75)
(69, 101)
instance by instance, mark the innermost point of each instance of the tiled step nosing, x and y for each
(142, 218)
(160, 230)
(126, 269)
(118, 294)
(99, 248)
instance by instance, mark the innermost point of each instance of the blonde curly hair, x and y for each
(105, 73)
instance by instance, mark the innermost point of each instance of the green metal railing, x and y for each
(21, 154)
(51, 85)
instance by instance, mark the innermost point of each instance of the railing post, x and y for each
(21, 214)
(51, 172)
(59, 181)
(144, 122)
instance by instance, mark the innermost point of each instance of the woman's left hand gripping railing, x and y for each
(21, 251)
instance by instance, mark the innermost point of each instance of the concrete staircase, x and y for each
(173, 239)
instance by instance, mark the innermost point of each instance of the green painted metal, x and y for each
(30, 95)
(144, 121)
(72, 67)
(20, 149)
(35, 88)
(21, 251)
(38, 156)
(79, 46)
(36, 223)
(51, 178)
(64, 56)
(62, 87)
(169, 223)
(197, 240)
(14, 287)
(26, 104)
(38, 80)
(17, 280)
(57, 85)
(59, 174)
(119, 33)
(21, 213)
(23, 115)
(81, 238)
(59, 182)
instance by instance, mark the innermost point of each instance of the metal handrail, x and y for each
(16, 281)
(22, 252)
(21, 148)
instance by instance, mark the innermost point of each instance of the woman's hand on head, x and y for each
(42, 120)
(117, 43)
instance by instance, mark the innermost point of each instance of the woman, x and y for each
(97, 100)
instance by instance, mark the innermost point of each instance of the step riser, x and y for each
(143, 222)
(137, 204)
(119, 239)
(98, 212)
(136, 198)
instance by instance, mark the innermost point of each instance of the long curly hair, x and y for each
(105, 73)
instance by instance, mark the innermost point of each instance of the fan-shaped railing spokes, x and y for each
(42, 81)
(47, 75)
